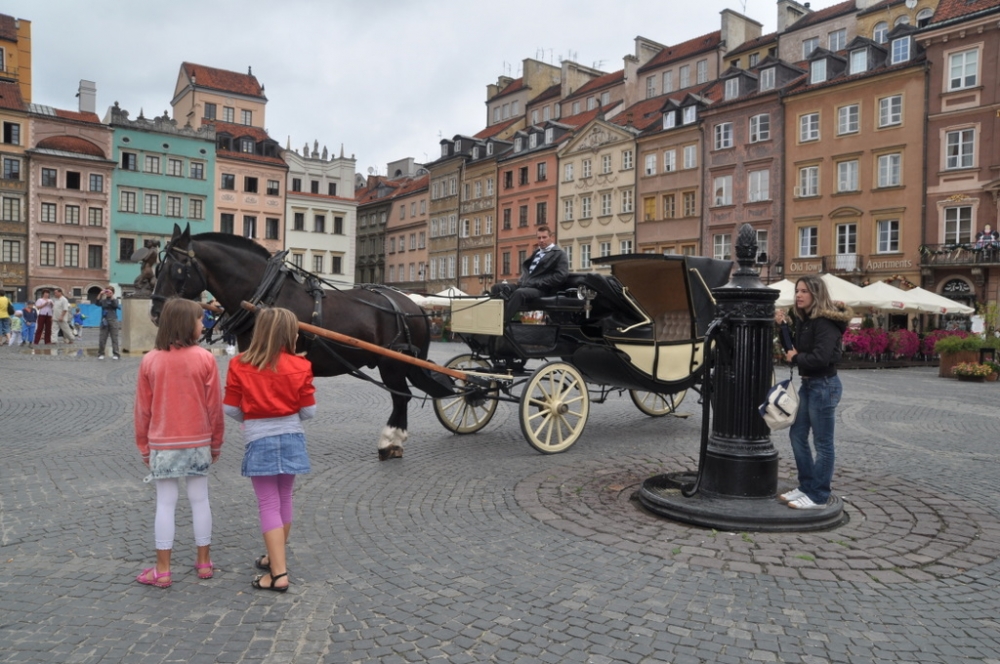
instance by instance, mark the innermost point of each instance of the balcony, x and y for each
(965, 253)
(843, 263)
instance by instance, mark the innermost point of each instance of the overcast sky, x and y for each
(384, 78)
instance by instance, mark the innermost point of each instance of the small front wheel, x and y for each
(655, 404)
(554, 407)
(471, 408)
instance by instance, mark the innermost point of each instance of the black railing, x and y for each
(963, 253)
(843, 263)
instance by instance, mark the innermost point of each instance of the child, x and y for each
(269, 388)
(78, 322)
(178, 429)
(16, 325)
(30, 315)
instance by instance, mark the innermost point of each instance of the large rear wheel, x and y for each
(554, 407)
(472, 407)
(656, 405)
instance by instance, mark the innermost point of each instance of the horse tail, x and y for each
(435, 385)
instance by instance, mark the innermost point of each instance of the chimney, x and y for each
(88, 96)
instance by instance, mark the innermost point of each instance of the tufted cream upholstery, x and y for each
(673, 326)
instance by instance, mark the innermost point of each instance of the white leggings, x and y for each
(166, 504)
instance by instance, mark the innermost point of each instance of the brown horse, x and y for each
(232, 268)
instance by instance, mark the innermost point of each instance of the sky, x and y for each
(385, 79)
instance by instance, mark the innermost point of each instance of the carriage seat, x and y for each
(566, 299)
(668, 326)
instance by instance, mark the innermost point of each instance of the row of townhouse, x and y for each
(80, 195)
(857, 139)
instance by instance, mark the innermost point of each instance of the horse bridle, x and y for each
(180, 269)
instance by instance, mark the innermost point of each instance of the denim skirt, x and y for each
(284, 454)
(167, 464)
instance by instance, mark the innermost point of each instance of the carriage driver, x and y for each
(542, 273)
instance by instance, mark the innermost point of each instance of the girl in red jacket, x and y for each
(270, 389)
(179, 429)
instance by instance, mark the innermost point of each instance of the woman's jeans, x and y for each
(818, 399)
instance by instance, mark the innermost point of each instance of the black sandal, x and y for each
(256, 583)
(260, 564)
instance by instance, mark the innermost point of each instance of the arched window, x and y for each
(880, 32)
(924, 17)
(902, 20)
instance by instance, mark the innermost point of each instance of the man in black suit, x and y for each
(542, 273)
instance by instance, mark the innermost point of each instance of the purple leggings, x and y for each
(274, 500)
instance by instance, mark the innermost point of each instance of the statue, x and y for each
(148, 256)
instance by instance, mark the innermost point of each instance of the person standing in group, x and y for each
(44, 306)
(819, 327)
(5, 316)
(270, 390)
(30, 316)
(109, 323)
(62, 317)
(16, 326)
(179, 429)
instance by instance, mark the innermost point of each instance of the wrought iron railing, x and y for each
(843, 263)
(963, 253)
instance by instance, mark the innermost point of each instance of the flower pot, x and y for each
(950, 360)
(992, 378)
(972, 379)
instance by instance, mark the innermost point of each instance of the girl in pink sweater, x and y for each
(179, 428)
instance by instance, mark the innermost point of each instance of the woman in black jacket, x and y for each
(820, 324)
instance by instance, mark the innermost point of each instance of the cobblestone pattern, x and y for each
(478, 549)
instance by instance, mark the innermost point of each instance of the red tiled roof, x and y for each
(237, 130)
(580, 119)
(952, 9)
(413, 186)
(223, 80)
(10, 96)
(846, 7)
(552, 92)
(517, 84)
(685, 49)
(367, 194)
(598, 83)
(763, 40)
(79, 117)
(643, 114)
(8, 31)
(71, 144)
(493, 130)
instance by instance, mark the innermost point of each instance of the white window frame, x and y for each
(568, 209)
(809, 127)
(848, 119)
(808, 244)
(669, 161)
(722, 190)
(650, 164)
(760, 127)
(890, 111)
(722, 246)
(958, 224)
(759, 186)
(732, 88)
(859, 60)
(817, 71)
(960, 65)
(809, 45)
(846, 239)
(879, 32)
(767, 77)
(837, 40)
(808, 181)
(890, 170)
(960, 149)
(847, 175)
(900, 50)
(690, 156)
(723, 135)
(887, 236)
(690, 114)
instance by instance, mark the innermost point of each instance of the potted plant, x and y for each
(955, 350)
(994, 368)
(972, 371)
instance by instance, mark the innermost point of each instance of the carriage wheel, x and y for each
(554, 407)
(656, 405)
(468, 411)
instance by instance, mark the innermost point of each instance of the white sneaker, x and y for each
(230, 350)
(100, 357)
(805, 503)
(116, 357)
(788, 497)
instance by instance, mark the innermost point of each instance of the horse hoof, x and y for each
(393, 452)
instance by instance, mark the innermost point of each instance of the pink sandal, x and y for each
(205, 570)
(151, 577)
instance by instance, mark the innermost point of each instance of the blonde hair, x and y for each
(275, 331)
(820, 296)
(178, 322)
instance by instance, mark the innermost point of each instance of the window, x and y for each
(151, 204)
(838, 40)
(151, 164)
(958, 224)
(808, 241)
(197, 170)
(273, 187)
(319, 223)
(586, 168)
(522, 175)
(690, 156)
(173, 206)
(847, 239)
(246, 117)
(650, 86)
(809, 45)
(48, 213)
(338, 227)
(585, 207)
(11, 251)
(669, 161)
(228, 114)
(817, 71)
(95, 216)
(297, 184)
(606, 163)
(129, 161)
(506, 220)
(209, 111)
(247, 145)
(809, 127)
(723, 135)
(227, 223)
(723, 188)
(650, 167)
(767, 79)
(126, 247)
(859, 60)
(627, 163)
(605, 99)
(250, 185)
(71, 255)
(47, 254)
(175, 167)
(11, 169)
(889, 170)
(761, 242)
(49, 177)
(900, 50)
(753, 60)
(127, 201)
(808, 181)
(542, 171)
(648, 208)
(95, 257)
(880, 31)
(701, 71)
(690, 204)
(890, 111)
(924, 17)
(685, 74)
(318, 265)
(760, 128)
(11, 209)
(963, 68)
(960, 148)
(96, 182)
(11, 133)
(249, 227)
(73, 180)
(628, 201)
(722, 245)
(604, 250)
(888, 236)
(669, 119)
(759, 186)
(690, 114)
(669, 206)
(605, 205)
(522, 216)
(847, 175)
(337, 265)
(584, 256)
(299, 221)
(541, 213)
(228, 181)
(848, 119)
(73, 215)
(732, 88)
(196, 208)
(568, 172)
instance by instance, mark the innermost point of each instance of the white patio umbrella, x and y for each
(451, 291)
(844, 291)
(786, 289)
(881, 295)
(939, 304)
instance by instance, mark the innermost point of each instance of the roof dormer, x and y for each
(825, 65)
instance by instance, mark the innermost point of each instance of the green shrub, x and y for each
(956, 344)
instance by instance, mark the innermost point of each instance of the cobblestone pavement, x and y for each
(479, 549)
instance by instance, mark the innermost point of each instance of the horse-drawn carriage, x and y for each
(642, 329)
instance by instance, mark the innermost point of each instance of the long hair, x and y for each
(178, 321)
(820, 297)
(275, 331)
